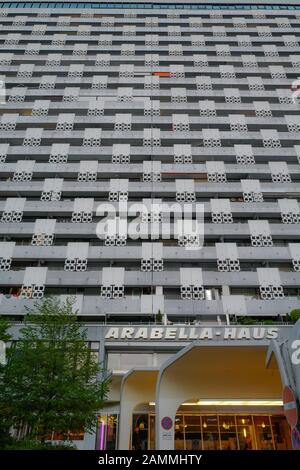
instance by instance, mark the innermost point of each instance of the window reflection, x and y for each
(179, 433)
(140, 432)
(201, 432)
(192, 430)
(210, 429)
(281, 433)
(228, 433)
(107, 432)
(245, 432)
(264, 438)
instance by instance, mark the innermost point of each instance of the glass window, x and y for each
(263, 432)
(245, 431)
(107, 431)
(111, 432)
(210, 431)
(281, 433)
(216, 432)
(192, 431)
(140, 432)
(179, 433)
(152, 433)
(228, 434)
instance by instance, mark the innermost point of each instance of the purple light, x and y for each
(102, 431)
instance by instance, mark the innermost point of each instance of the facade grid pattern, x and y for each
(114, 105)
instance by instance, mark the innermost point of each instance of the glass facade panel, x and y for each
(263, 433)
(152, 433)
(228, 433)
(210, 429)
(192, 430)
(140, 427)
(111, 433)
(179, 433)
(216, 432)
(245, 431)
(281, 433)
(107, 432)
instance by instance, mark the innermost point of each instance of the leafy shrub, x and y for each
(294, 315)
(247, 321)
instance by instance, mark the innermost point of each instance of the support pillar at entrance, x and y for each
(285, 350)
(138, 386)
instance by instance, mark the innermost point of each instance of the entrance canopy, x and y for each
(211, 372)
(197, 373)
(138, 386)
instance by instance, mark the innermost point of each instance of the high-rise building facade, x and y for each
(150, 168)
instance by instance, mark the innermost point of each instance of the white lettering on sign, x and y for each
(171, 333)
(272, 333)
(296, 354)
(244, 333)
(258, 333)
(229, 333)
(192, 334)
(182, 334)
(206, 333)
(141, 334)
(127, 333)
(156, 333)
(113, 333)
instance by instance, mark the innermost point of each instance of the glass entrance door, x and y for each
(140, 428)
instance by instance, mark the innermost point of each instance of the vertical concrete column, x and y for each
(138, 386)
(126, 410)
(166, 407)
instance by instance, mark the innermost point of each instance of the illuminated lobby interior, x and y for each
(219, 430)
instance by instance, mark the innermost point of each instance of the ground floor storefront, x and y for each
(171, 390)
(210, 395)
(208, 431)
(218, 432)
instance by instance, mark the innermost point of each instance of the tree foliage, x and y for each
(4, 326)
(159, 317)
(52, 380)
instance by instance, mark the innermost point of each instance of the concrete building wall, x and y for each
(159, 103)
(213, 89)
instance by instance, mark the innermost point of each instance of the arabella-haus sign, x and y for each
(190, 333)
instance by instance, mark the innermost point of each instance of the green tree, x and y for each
(159, 317)
(52, 381)
(4, 334)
